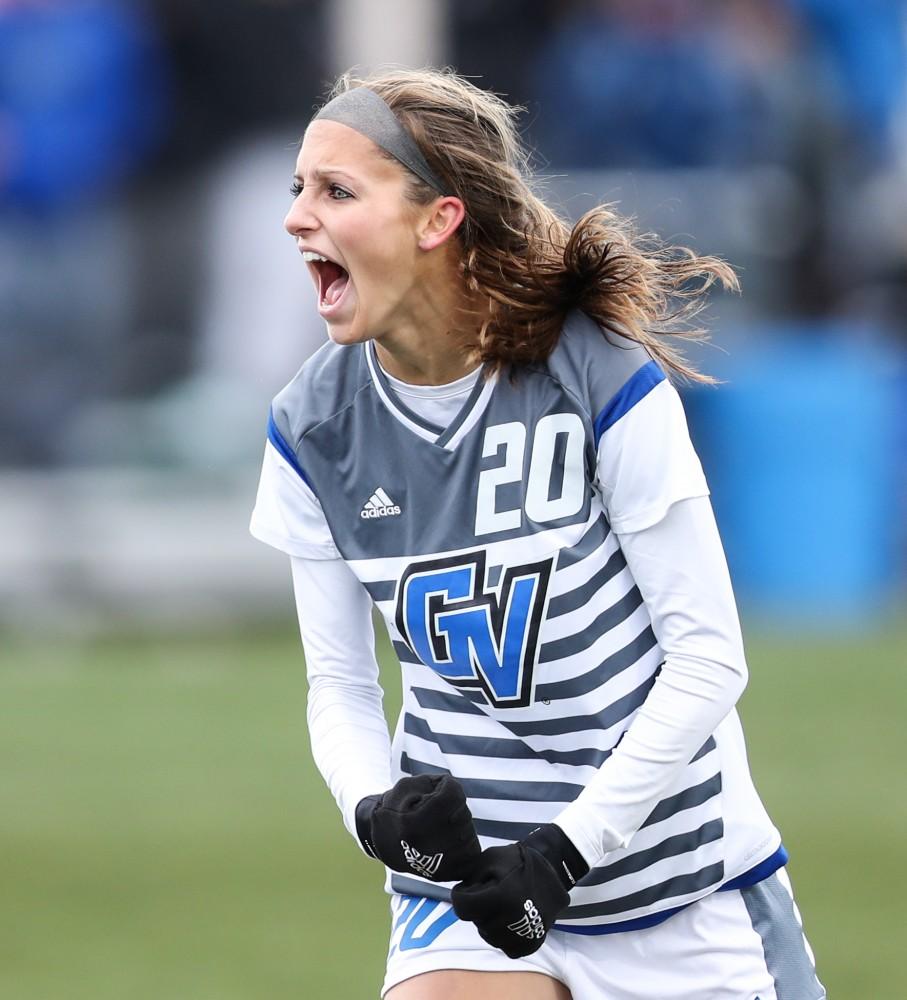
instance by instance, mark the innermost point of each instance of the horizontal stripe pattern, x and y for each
(689, 798)
(593, 538)
(679, 886)
(603, 623)
(670, 847)
(585, 594)
(510, 791)
(488, 746)
(597, 660)
(578, 537)
(605, 671)
(381, 590)
(616, 712)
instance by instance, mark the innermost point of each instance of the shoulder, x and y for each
(325, 385)
(607, 372)
(595, 360)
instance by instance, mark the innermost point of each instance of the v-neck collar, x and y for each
(444, 437)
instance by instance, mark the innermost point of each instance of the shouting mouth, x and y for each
(332, 281)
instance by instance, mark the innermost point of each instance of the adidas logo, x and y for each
(379, 505)
(531, 925)
(425, 865)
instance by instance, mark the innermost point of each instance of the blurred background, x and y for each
(162, 829)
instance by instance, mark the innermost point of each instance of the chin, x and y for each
(347, 333)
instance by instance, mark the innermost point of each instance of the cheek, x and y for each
(381, 240)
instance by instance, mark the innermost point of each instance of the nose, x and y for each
(300, 219)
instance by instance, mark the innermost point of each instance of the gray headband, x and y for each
(366, 112)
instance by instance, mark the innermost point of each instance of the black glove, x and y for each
(515, 893)
(421, 825)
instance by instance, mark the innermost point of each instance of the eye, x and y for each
(338, 193)
(296, 189)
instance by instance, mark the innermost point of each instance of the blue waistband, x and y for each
(761, 871)
(755, 874)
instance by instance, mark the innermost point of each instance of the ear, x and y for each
(440, 222)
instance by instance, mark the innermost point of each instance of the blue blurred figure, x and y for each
(80, 98)
(82, 103)
(860, 53)
(653, 83)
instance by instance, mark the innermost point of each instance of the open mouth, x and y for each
(332, 279)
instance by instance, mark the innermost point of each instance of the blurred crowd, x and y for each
(146, 148)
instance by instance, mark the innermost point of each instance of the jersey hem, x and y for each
(771, 846)
(751, 876)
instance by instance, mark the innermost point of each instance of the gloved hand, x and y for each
(515, 893)
(421, 826)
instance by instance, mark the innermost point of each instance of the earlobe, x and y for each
(445, 218)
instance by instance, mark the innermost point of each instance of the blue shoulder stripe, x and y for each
(280, 443)
(630, 393)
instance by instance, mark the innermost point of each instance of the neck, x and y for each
(427, 362)
(433, 345)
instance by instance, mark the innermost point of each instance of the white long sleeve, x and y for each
(347, 727)
(679, 566)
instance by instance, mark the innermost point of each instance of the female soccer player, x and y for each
(490, 451)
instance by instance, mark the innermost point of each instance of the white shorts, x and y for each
(745, 944)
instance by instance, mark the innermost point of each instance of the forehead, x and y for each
(330, 144)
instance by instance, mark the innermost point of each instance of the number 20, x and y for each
(539, 505)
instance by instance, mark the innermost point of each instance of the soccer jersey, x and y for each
(490, 546)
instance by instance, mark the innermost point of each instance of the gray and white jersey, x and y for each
(525, 645)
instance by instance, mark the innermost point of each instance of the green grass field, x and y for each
(164, 835)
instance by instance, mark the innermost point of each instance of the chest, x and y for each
(387, 492)
(460, 545)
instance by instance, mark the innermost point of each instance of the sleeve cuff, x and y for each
(591, 837)
(649, 516)
(292, 547)
(348, 808)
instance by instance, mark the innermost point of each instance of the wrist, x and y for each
(589, 831)
(363, 819)
(560, 852)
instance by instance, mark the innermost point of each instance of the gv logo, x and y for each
(471, 635)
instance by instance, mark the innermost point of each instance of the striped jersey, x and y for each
(491, 549)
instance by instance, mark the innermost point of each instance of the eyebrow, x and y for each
(324, 172)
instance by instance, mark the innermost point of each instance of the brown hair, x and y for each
(519, 258)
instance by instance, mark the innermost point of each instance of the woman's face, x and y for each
(350, 208)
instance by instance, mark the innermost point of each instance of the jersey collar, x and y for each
(444, 437)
